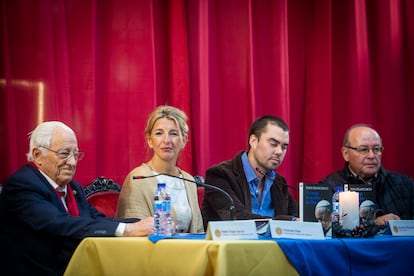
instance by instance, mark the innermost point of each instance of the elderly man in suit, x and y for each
(44, 213)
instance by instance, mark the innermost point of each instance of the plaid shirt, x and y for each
(394, 191)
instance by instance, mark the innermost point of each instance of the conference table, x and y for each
(193, 255)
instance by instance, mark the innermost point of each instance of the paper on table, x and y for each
(262, 226)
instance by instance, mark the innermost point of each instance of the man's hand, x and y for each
(382, 220)
(141, 228)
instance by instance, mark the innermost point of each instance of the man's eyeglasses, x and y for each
(365, 150)
(65, 155)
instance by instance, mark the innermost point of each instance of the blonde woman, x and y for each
(166, 134)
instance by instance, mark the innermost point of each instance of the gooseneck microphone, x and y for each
(265, 175)
(199, 181)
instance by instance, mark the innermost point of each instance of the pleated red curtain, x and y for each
(102, 66)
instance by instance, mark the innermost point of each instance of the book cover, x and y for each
(315, 204)
(367, 201)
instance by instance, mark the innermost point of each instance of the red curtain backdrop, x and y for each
(101, 66)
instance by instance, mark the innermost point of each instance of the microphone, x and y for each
(264, 174)
(142, 176)
(199, 181)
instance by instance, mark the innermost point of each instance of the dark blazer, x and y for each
(229, 176)
(37, 236)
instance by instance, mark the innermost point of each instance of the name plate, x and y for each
(296, 230)
(401, 227)
(231, 230)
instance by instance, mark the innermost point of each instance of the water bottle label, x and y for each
(162, 212)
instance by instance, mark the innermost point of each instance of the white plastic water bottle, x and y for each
(335, 204)
(158, 209)
(162, 211)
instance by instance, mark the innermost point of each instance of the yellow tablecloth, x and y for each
(140, 256)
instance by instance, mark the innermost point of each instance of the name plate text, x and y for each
(296, 230)
(231, 230)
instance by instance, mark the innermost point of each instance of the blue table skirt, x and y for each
(379, 255)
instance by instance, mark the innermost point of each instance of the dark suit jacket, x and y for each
(229, 176)
(37, 236)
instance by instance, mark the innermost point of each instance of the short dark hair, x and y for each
(259, 126)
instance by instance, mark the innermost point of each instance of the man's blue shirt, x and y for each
(265, 208)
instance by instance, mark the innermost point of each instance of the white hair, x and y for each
(42, 135)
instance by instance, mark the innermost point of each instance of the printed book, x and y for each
(367, 201)
(315, 205)
(313, 195)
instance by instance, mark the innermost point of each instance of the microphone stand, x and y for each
(199, 181)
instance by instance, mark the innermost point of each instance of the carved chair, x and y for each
(103, 194)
